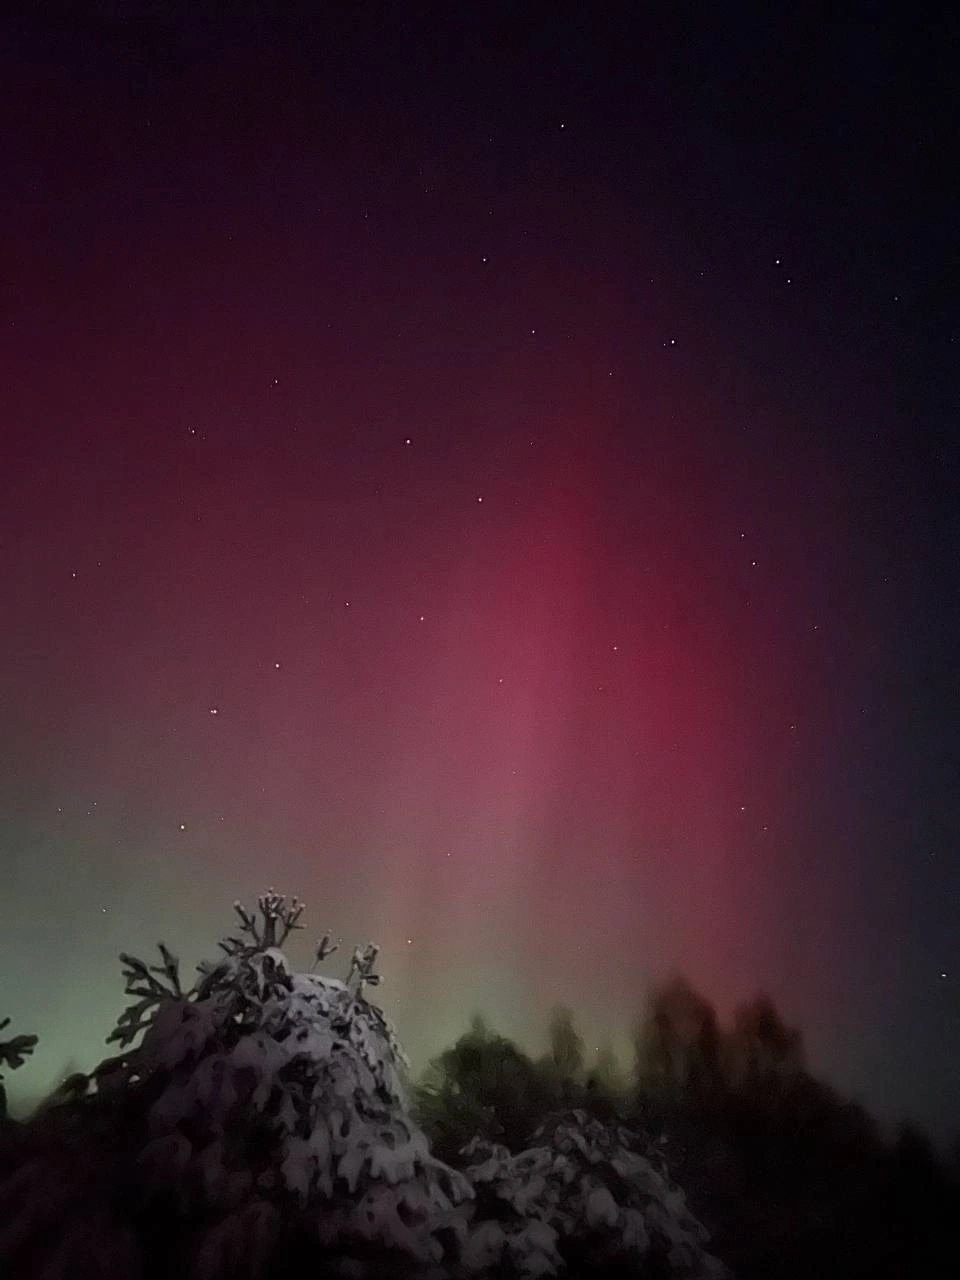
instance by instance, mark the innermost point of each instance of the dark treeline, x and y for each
(791, 1179)
(260, 1121)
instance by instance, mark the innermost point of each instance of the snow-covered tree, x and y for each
(257, 1123)
(261, 1105)
(588, 1198)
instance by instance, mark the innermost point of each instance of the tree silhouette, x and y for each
(761, 1043)
(13, 1053)
(678, 1045)
(606, 1073)
(566, 1044)
(482, 1086)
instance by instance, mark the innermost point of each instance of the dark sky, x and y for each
(491, 471)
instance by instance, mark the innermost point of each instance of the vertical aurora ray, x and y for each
(259, 367)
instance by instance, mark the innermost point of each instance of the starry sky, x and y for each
(491, 471)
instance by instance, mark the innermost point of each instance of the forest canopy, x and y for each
(260, 1118)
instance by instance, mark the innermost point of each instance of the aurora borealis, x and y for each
(491, 477)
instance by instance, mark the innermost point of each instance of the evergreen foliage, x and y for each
(13, 1053)
(259, 1121)
(566, 1044)
(790, 1179)
(587, 1198)
(262, 1120)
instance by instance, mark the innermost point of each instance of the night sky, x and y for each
(493, 472)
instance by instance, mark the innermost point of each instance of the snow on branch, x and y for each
(325, 948)
(361, 968)
(252, 966)
(278, 920)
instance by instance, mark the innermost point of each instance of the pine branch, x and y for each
(275, 912)
(325, 948)
(277, 922)
(150, 990)
(361, 968)
(169, 969)
(15, 1051)
(132, 1021)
